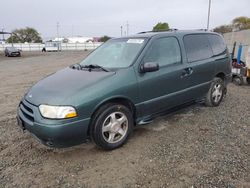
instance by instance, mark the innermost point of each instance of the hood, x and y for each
(60, 86)
(13, 50)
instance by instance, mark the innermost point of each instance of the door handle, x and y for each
(186, 72)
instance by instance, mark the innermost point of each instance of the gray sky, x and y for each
(99, 17)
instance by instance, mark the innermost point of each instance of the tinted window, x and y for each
(197, 47)
(164, 51)
(217, 44)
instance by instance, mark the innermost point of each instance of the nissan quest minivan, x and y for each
(126, 82)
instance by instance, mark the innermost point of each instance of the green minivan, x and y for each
(126, 82)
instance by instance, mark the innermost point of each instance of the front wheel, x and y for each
(111, 126)
(216, 93)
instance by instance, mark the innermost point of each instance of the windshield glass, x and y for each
(116, 53)
(11, 48)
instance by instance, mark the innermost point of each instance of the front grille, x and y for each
(27, 110)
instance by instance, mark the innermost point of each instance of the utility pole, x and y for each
(208, 15)
(127, 25)
(3, 33)
(57, 30)
(121, 31)
(72, 30)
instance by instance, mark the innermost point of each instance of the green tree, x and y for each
(104, 38)
(223, 29)
(161, 27)
(241, 23)
(25, 35)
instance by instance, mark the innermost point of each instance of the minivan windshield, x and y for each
(115, 53)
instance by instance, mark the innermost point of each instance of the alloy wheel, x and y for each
(115, 127)
(217, 93)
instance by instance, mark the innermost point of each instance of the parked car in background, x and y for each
(12, 51)
(53, 46)
(126, 82)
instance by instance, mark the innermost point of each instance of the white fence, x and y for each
(39, 46)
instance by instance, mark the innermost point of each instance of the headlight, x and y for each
(57, 112)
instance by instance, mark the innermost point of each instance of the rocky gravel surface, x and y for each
(193, 147)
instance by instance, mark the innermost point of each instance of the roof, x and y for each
(149, 34)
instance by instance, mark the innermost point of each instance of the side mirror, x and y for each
(149, 67)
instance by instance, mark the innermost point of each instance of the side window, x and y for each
(164, 51)
(217, 44)
(197, 47)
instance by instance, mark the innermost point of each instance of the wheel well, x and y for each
(221, 75)
(123, 101)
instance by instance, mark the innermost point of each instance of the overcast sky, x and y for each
(99, 17)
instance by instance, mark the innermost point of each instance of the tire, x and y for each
(216, 93)
(238, 80)
(111, 126)
(248, 80)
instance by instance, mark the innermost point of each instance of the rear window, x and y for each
(197, 47)
(217, 43)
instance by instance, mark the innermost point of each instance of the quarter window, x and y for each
(197, 47)
(164, 51)
(217, 44)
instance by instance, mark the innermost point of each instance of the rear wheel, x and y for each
(215, 93)
(111, 126)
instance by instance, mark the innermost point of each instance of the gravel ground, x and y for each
(194, 147)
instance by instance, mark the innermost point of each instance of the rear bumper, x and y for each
(228, 78)
(57, 134)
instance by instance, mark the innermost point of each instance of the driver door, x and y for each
(165, 88)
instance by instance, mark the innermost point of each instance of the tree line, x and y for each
(237, 24)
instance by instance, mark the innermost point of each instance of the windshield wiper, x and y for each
(76, 66)
(94, 66)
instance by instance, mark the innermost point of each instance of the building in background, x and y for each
(77, 39)
(240, 37)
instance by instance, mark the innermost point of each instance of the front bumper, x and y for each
(15, 54)
(52, 133)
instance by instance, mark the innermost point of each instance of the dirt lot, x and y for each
(195, 147)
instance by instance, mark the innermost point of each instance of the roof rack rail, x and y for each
(172, 29)
(145, 32)
(202, 30)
